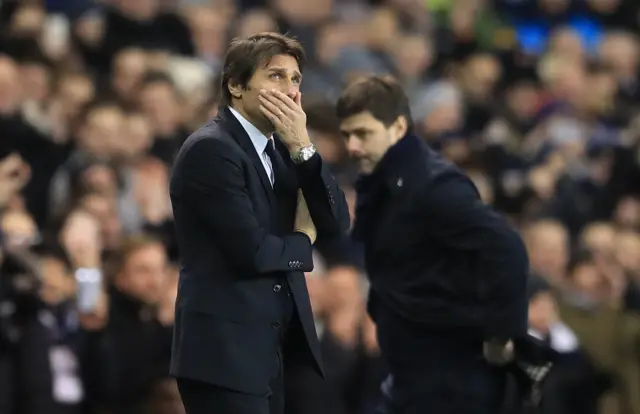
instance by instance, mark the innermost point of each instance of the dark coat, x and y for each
(436, 255)
(446, 273)
(238, 248)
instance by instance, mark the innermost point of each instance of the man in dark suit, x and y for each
(448, 275)
(247, 205)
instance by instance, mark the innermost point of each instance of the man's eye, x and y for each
(275, 76)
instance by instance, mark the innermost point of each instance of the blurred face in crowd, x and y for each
(542, 312)
(554, 7)
(36, 81)
(627, 248)
(129, 66)
(101, 130)
(479, 77)
(139, 9)
(368, 139)
(256, 21)
(602, 92)
(329, 40)
(139, 136)
(10, 86)
(547, 245)
(58, 284)
(587, 279)
(414, 57)
(463, 18)
(303, 12)
(522, 100)
(567, 80)
(74, 92)
(27, 22)
(627, 213)
(160, 104)
(383, 29)
(144, 274)
(567, 44)
(209, 29)
(599, 238)
(19, 230)
(281, 73)
(604, 6)
(100, 178)
(446, 116)
(622, 53)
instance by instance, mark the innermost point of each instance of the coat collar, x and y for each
(396, 170)
(397, 165)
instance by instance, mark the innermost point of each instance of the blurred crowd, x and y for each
(537, 100)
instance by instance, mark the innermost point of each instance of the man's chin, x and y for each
(365, 168)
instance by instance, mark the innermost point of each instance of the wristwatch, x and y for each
(303, 154)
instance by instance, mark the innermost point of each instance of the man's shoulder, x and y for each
(210, 137)
(428, 166)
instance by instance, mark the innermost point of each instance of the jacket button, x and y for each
(277, 288)
(276, 325)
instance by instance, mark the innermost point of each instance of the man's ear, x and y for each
(400, 127)
(235, 89)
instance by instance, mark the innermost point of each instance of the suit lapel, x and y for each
(244, 141)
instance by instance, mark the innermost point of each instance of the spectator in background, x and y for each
(608, 334)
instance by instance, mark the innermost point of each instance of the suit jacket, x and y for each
(237, 249)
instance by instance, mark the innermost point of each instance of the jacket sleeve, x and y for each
(326, 201)
(457, 218)
(213, 187)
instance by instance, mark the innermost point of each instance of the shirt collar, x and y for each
(258, 139)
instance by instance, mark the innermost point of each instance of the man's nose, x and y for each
(290, 89)
(353, 146)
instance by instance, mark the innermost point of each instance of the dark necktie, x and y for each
(275, 166)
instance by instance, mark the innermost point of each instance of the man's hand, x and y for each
(303, 223)
(287, 117)
(498, 352)
(152, 192)
(82, 240)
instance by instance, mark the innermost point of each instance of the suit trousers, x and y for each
(203, 398)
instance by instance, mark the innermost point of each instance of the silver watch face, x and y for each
(306, 153)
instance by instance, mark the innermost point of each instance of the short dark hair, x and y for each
(244, 55)
(53, 250)
(382, 96)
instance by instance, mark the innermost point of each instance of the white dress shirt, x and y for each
(260, 142)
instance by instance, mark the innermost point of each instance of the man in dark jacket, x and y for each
(448, 275)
